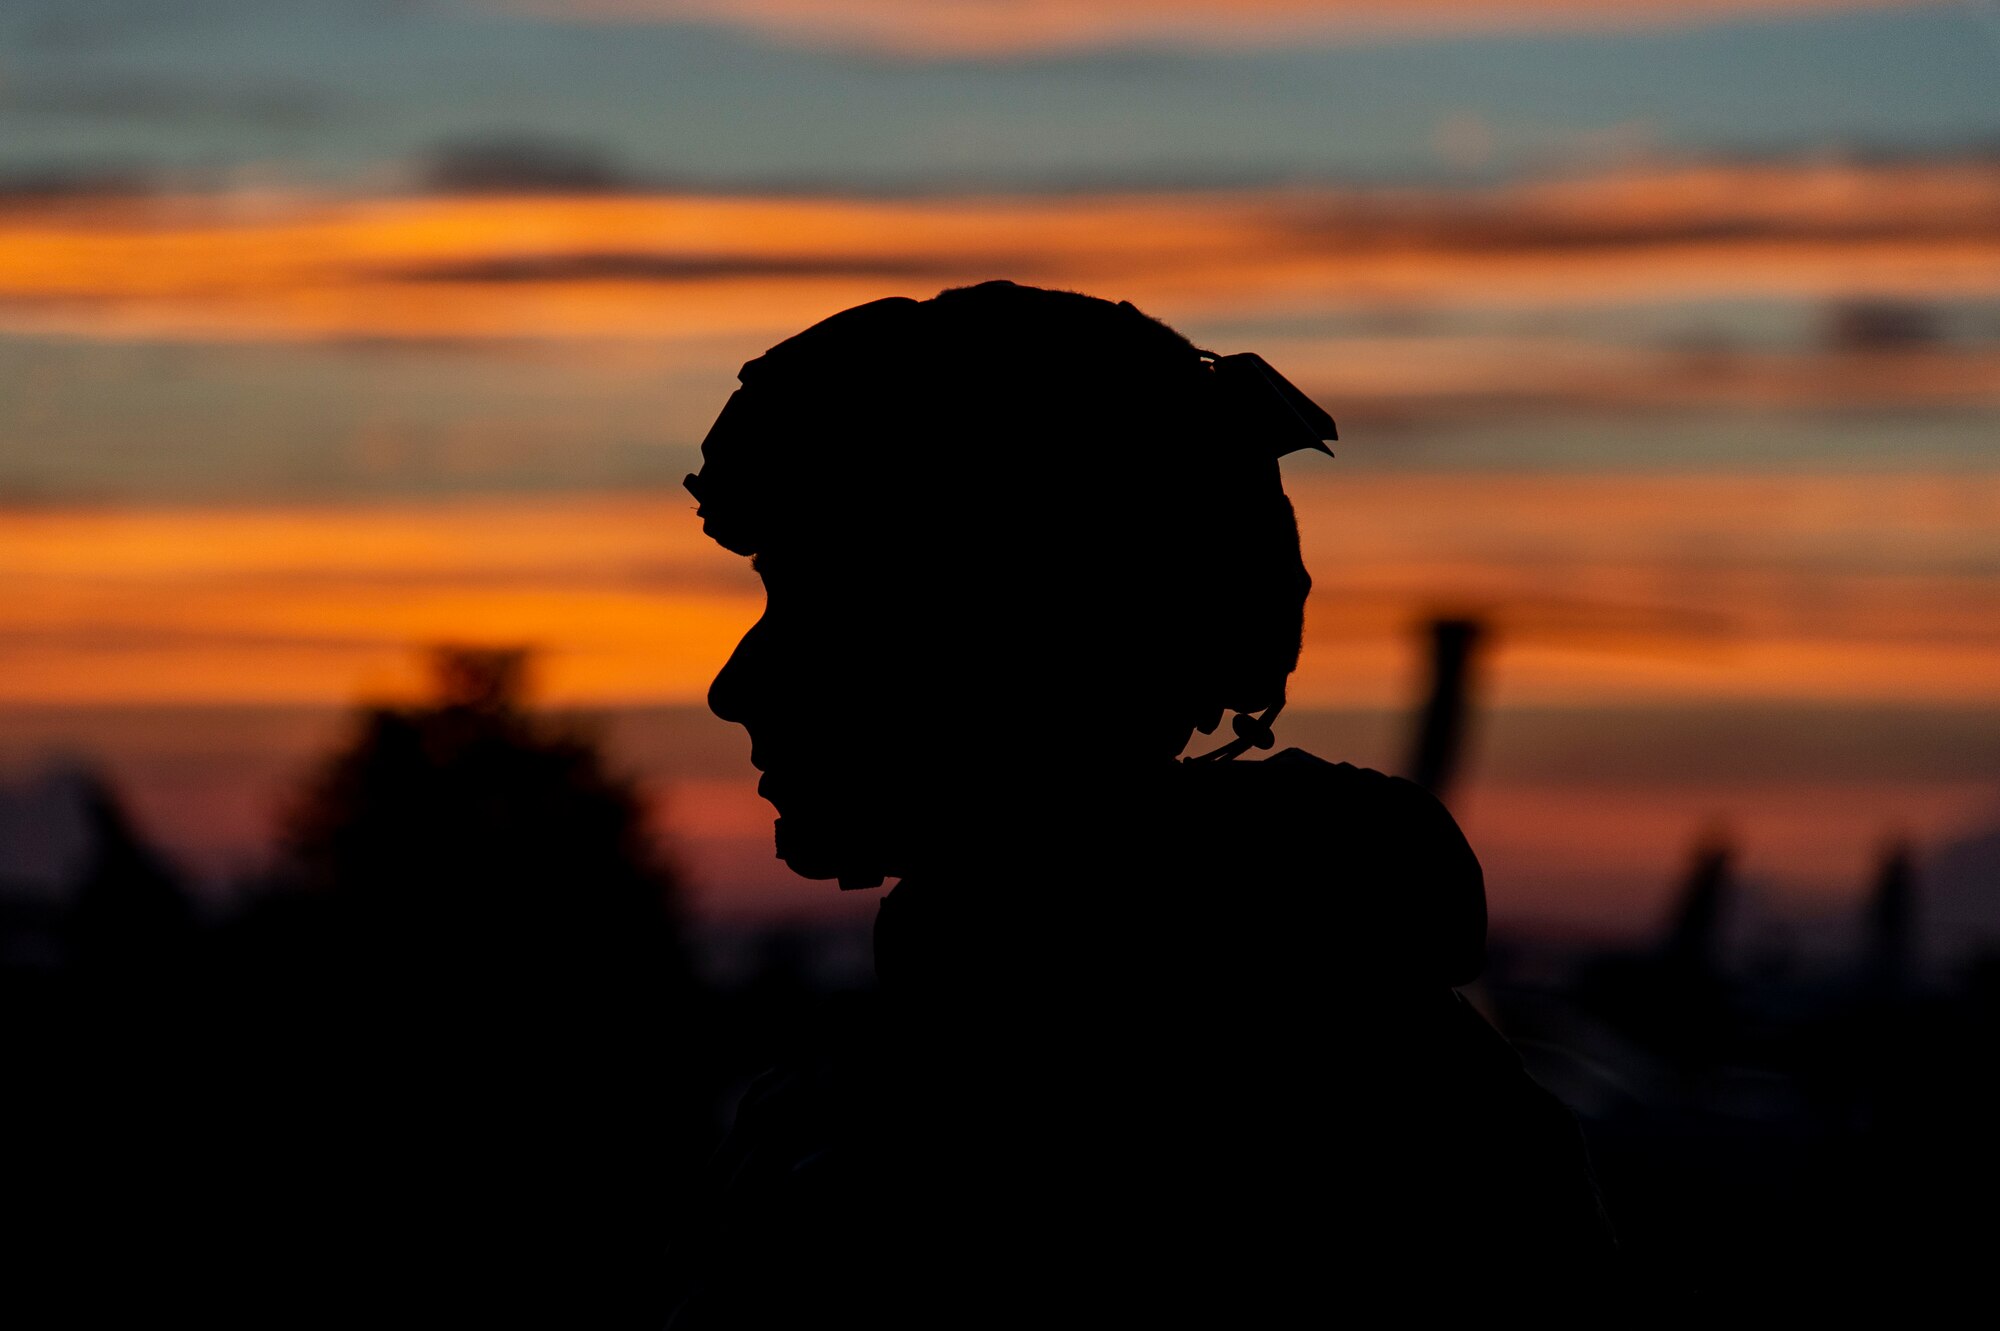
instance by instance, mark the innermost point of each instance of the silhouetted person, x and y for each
(1156, 1041)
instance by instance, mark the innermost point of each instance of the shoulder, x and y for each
(1382, 859)
(1310, 770)
(1374, 812)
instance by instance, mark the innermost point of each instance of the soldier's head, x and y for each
(990, 525)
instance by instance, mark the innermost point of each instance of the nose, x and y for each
(732, 694)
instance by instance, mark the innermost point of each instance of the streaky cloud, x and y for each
(1011, 28)
(1873, 586)
(641, 266)
(550, 268)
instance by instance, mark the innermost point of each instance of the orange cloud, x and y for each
(1004, 27)
(1601, 588)
(1608, 588)
(308, 604)
(751, 269)
(1485, 378)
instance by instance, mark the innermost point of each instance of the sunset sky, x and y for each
(1665, 336)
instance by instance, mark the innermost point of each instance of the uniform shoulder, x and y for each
(1385, 847)
(1321, 778)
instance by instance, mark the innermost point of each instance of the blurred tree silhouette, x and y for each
(464, 1030)
(469, 814)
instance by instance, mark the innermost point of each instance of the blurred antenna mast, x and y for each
(1694, 931)
(1891, 916)
(1439, 742)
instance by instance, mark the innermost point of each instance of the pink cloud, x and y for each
(1002, 27)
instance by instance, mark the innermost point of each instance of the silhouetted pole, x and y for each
(1439, 742)
(1891, 907)
(1693, 932)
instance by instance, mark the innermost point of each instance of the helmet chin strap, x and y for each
(1252, 732)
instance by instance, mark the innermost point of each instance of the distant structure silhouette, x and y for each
(1694, 934)
(1439, 742)
(1156, 1042)
(80, 888)
(132, 911)
(1676, 994)
(97, 936)
(1892, 921)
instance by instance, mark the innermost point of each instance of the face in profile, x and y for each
(909, 710)
(987, 525)
(838, 684)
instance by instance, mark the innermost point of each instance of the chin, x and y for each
(817, 850)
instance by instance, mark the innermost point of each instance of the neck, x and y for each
(1030, 825)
